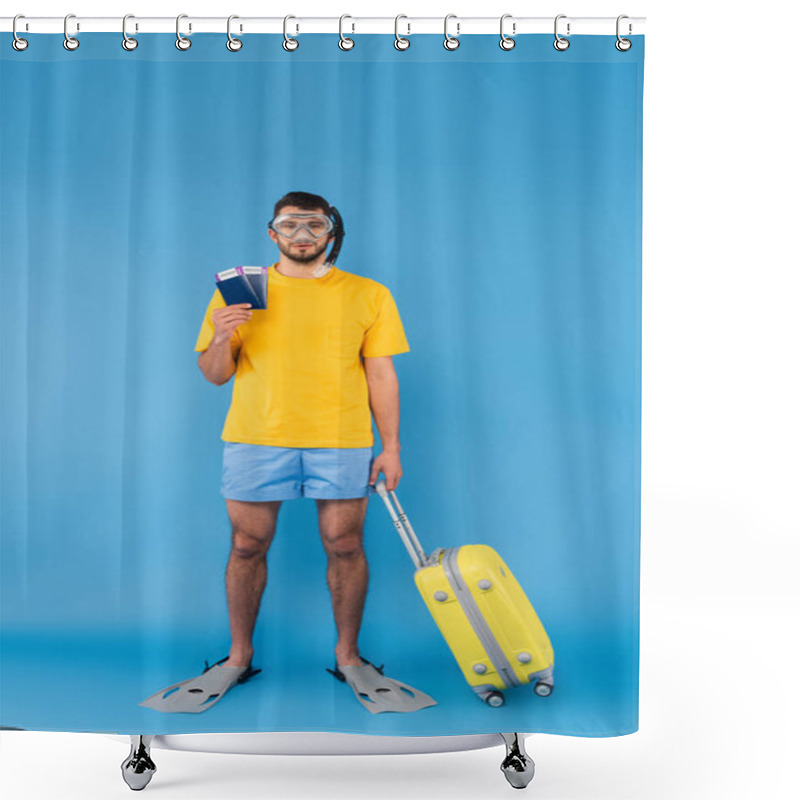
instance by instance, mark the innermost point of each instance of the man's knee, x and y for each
(252, 526)
(247, 544)
(347, 544)
(341, 525)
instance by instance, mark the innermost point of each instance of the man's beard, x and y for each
(304, 256)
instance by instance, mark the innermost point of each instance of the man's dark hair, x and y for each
(304, 200)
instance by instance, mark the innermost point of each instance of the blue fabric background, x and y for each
(497, 194)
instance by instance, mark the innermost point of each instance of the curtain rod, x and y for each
(350, 25)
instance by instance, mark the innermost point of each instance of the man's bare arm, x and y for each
(384, 399)
(216, 361)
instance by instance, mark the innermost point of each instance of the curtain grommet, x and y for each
(129, 43)
(181, 42)
(233, 44)
(18, 43)
(507, 42)
(560, 43)
(70, 42)
(451, 42)
(345, 42)
(401, 42)
(290, 44)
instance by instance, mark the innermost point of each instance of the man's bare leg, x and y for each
(253, 527)
(341, 525)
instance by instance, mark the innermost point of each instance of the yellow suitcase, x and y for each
(483, 613)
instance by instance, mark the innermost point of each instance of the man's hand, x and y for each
(217, 362)
(227, 318)
(389, 462)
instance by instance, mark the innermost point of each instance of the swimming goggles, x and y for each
(290, 225)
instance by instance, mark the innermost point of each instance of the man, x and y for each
(308, 369)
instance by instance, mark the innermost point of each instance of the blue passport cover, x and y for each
(235, 288)
(258, 281)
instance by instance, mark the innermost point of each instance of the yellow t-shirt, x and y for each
(299, 380)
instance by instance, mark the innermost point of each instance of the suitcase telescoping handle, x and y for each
(402, 524)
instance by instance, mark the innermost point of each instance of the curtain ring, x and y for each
(507, 42)
(623, 44)
(181, 42)
(451, 42)
(128, 42)
(400, 42)
(288, 42)
(70, 42)
(345, 42)
(18, 43)
(233, 44)
(561, 43)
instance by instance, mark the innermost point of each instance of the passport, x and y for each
(237, 286)
(257, 276)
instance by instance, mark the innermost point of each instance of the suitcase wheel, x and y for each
(543, 689)
(494, 699)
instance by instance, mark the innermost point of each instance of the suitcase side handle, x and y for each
(402, 524)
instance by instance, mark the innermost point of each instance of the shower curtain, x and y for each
(491, 201)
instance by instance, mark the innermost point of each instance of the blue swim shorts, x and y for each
(266, 472)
